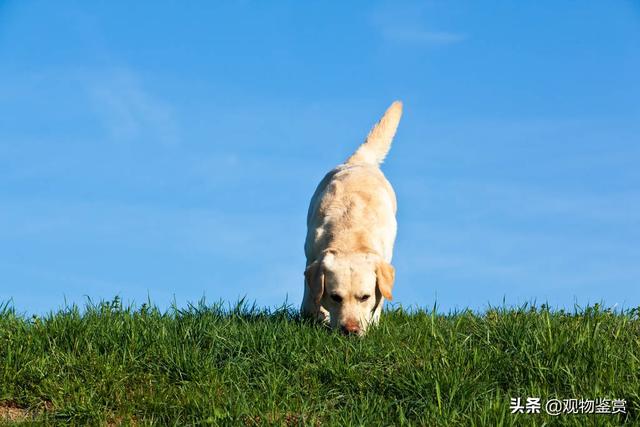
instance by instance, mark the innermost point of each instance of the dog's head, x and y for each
(350, 287)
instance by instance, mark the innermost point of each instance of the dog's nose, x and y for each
(350, 328)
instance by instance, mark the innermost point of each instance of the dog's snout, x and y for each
(350, 328)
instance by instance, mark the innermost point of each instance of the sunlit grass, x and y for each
(249, 366)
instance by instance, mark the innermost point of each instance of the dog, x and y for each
(351, 230)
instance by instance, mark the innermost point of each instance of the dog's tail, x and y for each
(378, 142)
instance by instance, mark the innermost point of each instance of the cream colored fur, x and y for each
(351, 230)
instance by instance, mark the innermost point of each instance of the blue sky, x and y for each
(169, 149)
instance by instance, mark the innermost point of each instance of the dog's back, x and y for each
(354, 206)
(353, 210)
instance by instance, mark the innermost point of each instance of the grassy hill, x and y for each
(110, 365)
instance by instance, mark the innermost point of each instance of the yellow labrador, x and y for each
(351, 229)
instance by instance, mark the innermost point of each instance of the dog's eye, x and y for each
(364, 297)
(337, 298)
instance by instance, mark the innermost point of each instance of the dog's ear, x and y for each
(314, 279)
(385, 275)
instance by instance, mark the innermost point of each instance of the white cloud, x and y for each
(421, 36)
(410, 24)
(127, 110)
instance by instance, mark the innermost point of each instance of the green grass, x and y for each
(110, 364)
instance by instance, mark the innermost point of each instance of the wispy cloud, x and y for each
(410, 25)
(421, 36)
(127, 110)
